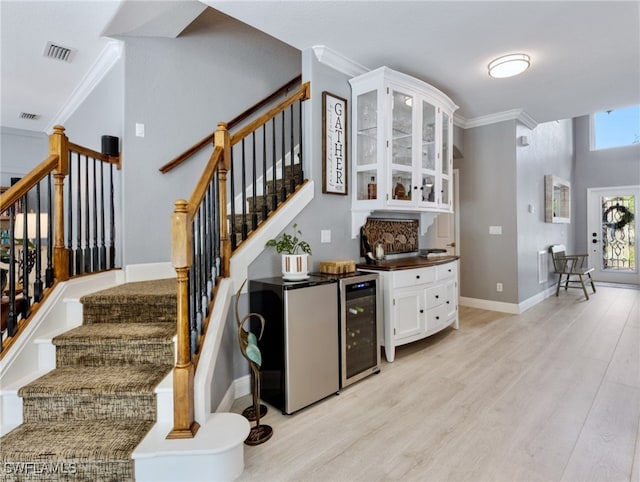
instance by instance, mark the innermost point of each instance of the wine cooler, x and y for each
(359, 317)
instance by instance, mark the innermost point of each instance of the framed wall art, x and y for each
(334, 145)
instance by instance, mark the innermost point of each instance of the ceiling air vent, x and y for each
(58, 52)
(28, 116)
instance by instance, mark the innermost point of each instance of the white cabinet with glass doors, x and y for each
(402, 145)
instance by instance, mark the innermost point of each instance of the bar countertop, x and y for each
(410, 262)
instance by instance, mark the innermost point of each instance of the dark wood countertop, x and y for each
(407, 263)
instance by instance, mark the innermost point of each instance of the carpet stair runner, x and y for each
(83, 419)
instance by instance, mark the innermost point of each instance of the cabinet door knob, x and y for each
(448, 301)
(421, 311)
(437, 317)
(417, 276)
(437, 296)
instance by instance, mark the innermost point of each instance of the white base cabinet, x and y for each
(417, 302)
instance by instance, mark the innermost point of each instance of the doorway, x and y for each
(612, 220)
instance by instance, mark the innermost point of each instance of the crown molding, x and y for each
(337, 61)
(107, 59)
(514, 114)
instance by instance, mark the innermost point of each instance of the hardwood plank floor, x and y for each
(551, 394)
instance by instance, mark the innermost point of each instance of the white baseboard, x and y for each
(512, 308)
(239, 388)
(149, 271)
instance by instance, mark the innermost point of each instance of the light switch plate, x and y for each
(325, 235)
(139, 130)
(495, 229)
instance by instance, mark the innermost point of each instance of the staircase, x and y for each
(82, 420)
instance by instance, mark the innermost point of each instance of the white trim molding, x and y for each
(337, 61)
(107, 59)
(518, 115)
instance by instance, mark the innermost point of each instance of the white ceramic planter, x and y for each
(295, 267)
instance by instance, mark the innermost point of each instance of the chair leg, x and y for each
(559, 283)
(593, 287)
(583, 286)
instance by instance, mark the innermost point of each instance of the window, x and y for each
(616, 128)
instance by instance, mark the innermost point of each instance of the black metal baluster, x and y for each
(49, 270)
(292, 178)
(216, 224)
(254, 185)
(37, 285)
(283, 183)
(72, 268)
(197, 279)
(86, 252)
(265, 197)
(203, 268)
(79, 261)
(103, 248)
(244, 194)
(112, 223)
(232, 198)
(24, 276)
(12, 316)
(274, 174)
(301, 175)
(95, 262)
(192, 297)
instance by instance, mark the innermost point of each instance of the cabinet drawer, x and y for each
(437, 318)
(445, 271)
(412, 277)
(436, 296)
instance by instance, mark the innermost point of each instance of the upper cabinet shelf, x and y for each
(405, 163)
(557, 199)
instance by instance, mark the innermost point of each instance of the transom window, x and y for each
(616, 128)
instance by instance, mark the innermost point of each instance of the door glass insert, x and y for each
(618, 233)
(401, 129)
(428, 188)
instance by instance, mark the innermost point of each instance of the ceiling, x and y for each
(585, 56)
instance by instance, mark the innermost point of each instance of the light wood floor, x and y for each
(552, 394)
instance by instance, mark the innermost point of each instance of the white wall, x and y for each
(20, 151)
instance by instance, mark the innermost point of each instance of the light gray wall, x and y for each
(550, 151)
(326, 211)
(20, 151)
(488, 182)
(619, 166)
(180, 89)
(101, 113)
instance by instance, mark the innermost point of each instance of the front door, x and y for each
(612, 218)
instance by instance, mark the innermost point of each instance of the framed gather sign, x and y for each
(334, 144)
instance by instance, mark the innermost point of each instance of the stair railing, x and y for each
(34, 254)
(262, 159)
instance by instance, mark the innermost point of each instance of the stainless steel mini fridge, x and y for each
(300, 355)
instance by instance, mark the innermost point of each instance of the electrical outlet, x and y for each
(499, 287)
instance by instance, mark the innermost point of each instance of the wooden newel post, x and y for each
(184, 425)
(222, 139)
(59, 146)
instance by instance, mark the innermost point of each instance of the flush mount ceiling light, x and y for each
(509, 65)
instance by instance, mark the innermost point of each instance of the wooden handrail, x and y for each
(266, 101)
(206, 141)
(303, 94)
(201, 188)
(22, 187)
(85, 151)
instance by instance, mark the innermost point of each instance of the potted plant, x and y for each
(295, 254)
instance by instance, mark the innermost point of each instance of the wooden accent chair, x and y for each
(573, 266)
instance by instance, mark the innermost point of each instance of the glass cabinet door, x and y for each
(446, 148)
(367, 146)
(402, 129)
(428, 136)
